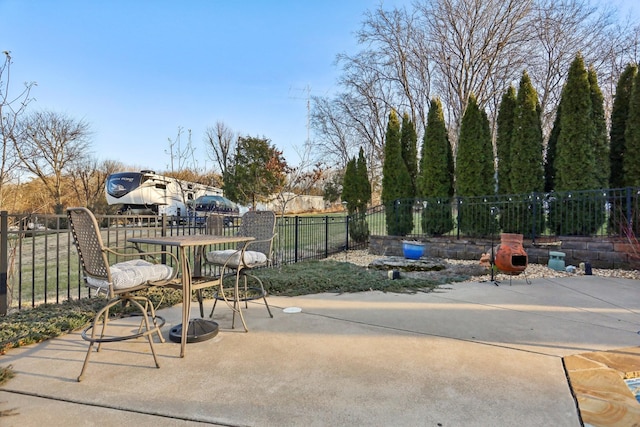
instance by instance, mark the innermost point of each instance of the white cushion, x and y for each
(232, 258)
(132, 273)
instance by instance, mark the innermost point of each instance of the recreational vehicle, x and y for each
(147, 193)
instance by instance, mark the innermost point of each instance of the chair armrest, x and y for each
(252, 242)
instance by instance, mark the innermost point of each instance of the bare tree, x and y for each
(477, 49)
(402, 58)
(561, 29)
(88, 177)
(336, 140)
(391, 72)
(12, 108)
(300, 180)
(49, 144)
(220, 142)
(456, 48)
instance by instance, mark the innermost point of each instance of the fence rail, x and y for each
(591, 213)
(39, 264)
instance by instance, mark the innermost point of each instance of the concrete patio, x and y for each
(469, 354)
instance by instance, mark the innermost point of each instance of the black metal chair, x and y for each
(257, 253)
(120, 282)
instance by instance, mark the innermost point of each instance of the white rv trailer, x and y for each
(147, 193)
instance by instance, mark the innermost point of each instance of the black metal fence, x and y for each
(593, 213)
(39, 264)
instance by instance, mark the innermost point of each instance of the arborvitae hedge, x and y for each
(409, 143)
(396, 183)
(575, 162)
(550, 154)
(356, 192)
(631, 159)
(526, 171)
(503, 139)
(474, 170)
(600, 137)
(435, 182)
(619, 115)
(349, 187)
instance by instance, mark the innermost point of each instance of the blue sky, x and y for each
(137, 70)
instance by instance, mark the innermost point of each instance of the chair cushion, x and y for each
(251, 258)
(129, 274)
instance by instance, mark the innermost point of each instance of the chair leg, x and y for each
(264, 293)
(246, 289)
(149, 307)
(199, 296)
(104, 323)
(149, 330)
(215, 301)
(104, 312)
(235, 306)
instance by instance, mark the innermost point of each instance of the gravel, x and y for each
(363, 258)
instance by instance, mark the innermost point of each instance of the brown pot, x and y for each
(511, 257)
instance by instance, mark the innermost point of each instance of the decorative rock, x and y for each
(404, 264)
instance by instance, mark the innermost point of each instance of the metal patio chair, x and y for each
(241, 261)
(119, 282)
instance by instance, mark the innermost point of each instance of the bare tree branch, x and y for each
(12, 108)
(49, 144)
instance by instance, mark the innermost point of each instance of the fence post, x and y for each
(534, 207)
(629, 219)
(458, 203)
(346, 237)
(163, 232)
(4, 263)
(326, 236)
(295, 239)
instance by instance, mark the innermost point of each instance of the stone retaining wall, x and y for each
(601, 253)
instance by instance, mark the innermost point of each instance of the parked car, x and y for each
(206, 205)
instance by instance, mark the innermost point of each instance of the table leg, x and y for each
(186, 297)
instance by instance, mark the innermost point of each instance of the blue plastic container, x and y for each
(556, 260)
(412, 250)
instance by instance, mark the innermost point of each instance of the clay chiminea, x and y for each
(511, 257)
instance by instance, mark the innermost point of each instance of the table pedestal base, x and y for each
(197, 331)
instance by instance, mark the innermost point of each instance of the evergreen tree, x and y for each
(409, 142)
(396, 182)
(503, 139)
(549, 170)
(474, 170)
(631, 156)
(364, 185)
(600, 140)
(435, 182)
(349, 186)
(526, 173)
(620, 208)
(356, 192)
(359, 228)
(619, 114)
(575, 162)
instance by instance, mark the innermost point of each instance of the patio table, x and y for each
(183, 242)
